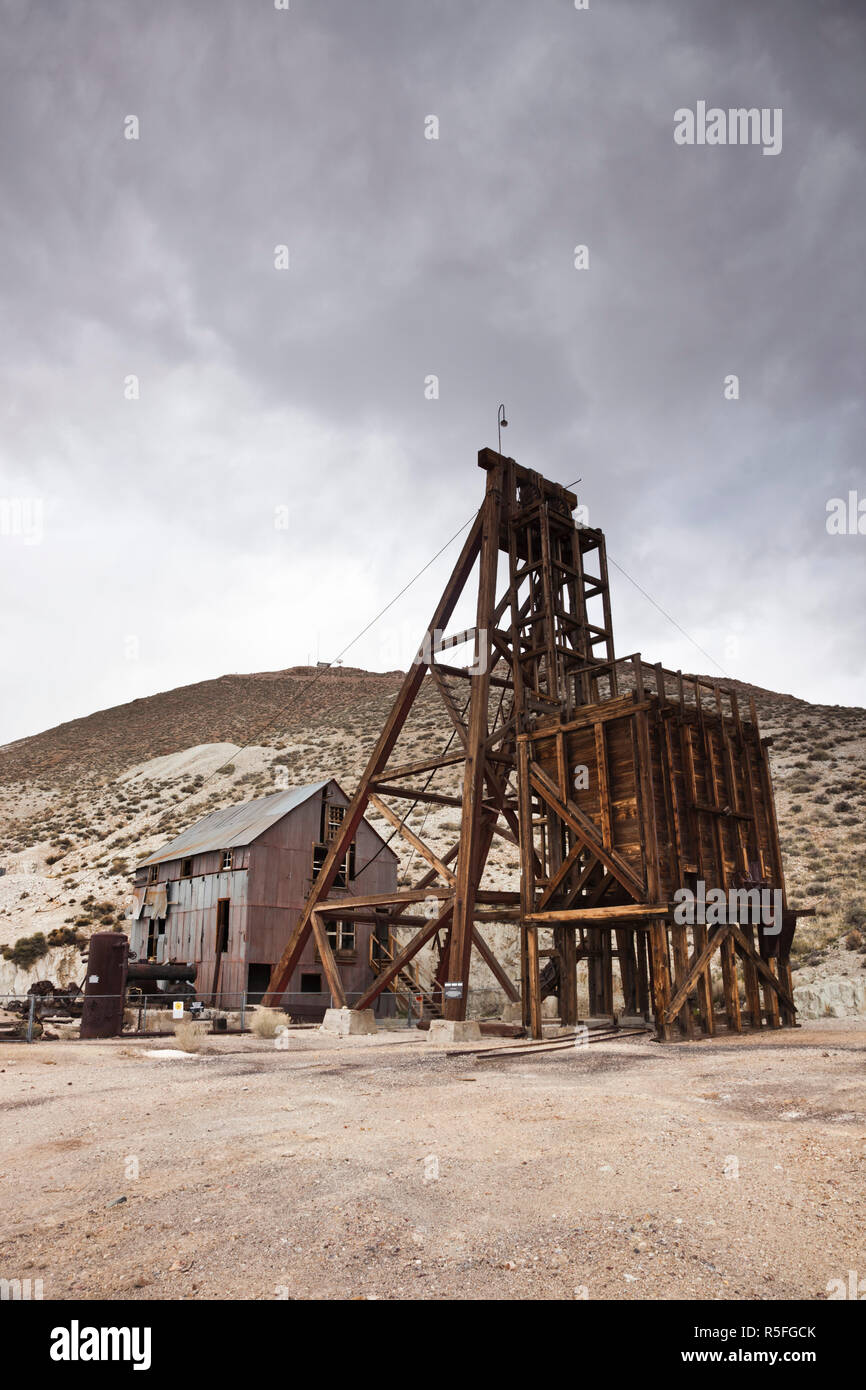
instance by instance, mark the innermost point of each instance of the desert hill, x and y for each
(82, 803)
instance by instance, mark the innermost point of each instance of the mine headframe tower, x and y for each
(620, 782)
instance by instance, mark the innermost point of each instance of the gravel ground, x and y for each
(384, 1168)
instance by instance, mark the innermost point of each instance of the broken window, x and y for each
(153, 873)
(341, 935)
(311, 984)
(346, 869)
(227, 859)
(332, 820)
(186, 868)
(319, 855)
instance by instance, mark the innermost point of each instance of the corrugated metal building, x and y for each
(226, 893)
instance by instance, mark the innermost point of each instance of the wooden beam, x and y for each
(289, 960)
(556, 880)
(747, 952)
(399, 895)
(332, 970)
(410, 794)
(392, 774)
(685, 987)
(401, 960)
(412, 839)
(493, 964)
(631, 913)
(470, 861)
(585, 830)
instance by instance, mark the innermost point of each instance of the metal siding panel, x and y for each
(267, 886)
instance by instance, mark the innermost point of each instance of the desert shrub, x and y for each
(854, 915)
(27, 950)
(65, 936)
(853, 941)
(189, 1036)
(265, 1022)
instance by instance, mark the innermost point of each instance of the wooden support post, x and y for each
(530, 983)
(660, 978)
(628, 973)
(730, 985)
(564, 938)
(771, 1000)
(566, 946)
(329, 964)
(789, 1015)
(681, 970)
(533, 980)
(643, 972)
(704, 981)
(606, 973)
(750, 979)
(470, 861)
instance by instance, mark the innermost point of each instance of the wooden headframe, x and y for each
(624, 786)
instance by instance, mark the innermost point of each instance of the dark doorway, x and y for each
(222, 943)
(222, 926)
(258, 977)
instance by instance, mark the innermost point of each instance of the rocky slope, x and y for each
(81, 804)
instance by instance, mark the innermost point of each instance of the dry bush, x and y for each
(265, 1022)
(189, 1036)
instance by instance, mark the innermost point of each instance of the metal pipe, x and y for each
(153, 970)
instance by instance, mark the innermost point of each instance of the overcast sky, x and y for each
(282, 473)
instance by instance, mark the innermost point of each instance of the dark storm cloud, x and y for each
(412, 257)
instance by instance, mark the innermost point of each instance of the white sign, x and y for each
(177, 1008)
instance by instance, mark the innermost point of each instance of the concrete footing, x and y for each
(348, 1023)
(446, 1030)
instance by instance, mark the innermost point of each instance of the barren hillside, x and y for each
(82, 803)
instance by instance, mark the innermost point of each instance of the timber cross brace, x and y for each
(621, 784)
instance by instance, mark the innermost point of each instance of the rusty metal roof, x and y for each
(234, 826)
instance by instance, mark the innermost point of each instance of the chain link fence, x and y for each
(56, 1016)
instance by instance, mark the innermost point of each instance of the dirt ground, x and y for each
(385, 1168)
